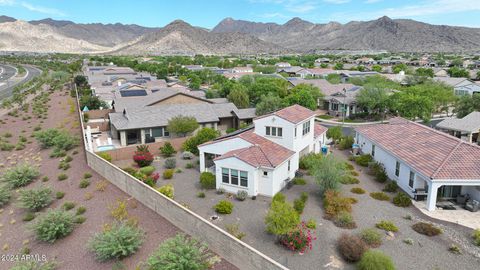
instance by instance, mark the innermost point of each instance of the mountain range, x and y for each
(232, 36)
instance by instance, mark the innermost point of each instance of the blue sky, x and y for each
(207, 13)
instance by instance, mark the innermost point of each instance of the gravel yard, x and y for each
(425, 252)
(70, 251)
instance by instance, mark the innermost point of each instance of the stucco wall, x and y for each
(233, 163)
(228, 247)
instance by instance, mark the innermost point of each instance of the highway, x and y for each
(8, 81)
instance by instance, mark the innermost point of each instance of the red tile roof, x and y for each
(432, 153)
(319, 130)
(294, 114)
(262, 153)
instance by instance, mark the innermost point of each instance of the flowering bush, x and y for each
(300, 239)
(142, 156)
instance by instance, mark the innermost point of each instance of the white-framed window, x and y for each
(373, 150)
(235, 177)
(288, 165)
(265, 173)
(295, 132)
(397, 168)
(306, 128)
(274, 131)
(158, 132)
(411, 179)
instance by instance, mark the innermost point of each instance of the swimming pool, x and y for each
(105, 147)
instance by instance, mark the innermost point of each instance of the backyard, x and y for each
(407, 248)
(72, 188)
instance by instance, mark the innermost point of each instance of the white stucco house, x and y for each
(263, 158)
(422, 160)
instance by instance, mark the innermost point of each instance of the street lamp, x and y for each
(344, 110)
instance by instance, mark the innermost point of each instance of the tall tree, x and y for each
(239, 96)
(182, 125)
(374, 99)
(268, 103)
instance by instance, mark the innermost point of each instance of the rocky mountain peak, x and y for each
(296, 21)
(4, 18)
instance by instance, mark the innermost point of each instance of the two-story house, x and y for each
(263, 158)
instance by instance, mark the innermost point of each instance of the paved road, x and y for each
(6, 72)
(6, 86)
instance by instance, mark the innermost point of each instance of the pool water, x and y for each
(105, 147)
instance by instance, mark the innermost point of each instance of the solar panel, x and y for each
(133, 93)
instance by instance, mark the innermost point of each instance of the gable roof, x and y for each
(325, 86)
(319, 130)
(294, 114)
(262, 152)
(432, 153)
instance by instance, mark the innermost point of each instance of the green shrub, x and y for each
(375, 260)
(130, 170)
(201, 194)
(81, 210)
(345, 220)
(363, 160)
(408, 241)
(170, 163)
(79, 219)
(371, 237)
(346, 142)
(5, 195)
(105, 156)
(59, 195)
(376, 169)
(349, 166)
(427, 229)
(147, 170)
(279, 197)
(281, 218)
(455, 249)
(351, 247)
(476, 237)
(349, 180)
(241, 195)
(29, 216)
(53, 224)
(387, 226)
(34, 265)
(181, 252)
(119, 241)
(35, 199)
(84, 183)
(204, 135)
(299, 203)
(391, 186)
(167, 190)
(187, 155)
(20, 175)
(167, 150)
(234, 229)
(402, 200)
(207, 180)
(299, 181)
(168, 174)
(224, 207)
(68, 205)
(381, 196)
(62, 177)
(59, 139)
(189, 165)
(45, 179)
(311, 224)
(334, 203)
(357, 190)
(87, 175)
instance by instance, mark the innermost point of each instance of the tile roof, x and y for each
(247, 113)
(262, 152)
(294, 114)
(432, 153)
(319, 130)
(469, 123)
(325, 87)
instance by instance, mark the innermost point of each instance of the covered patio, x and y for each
(460, 193)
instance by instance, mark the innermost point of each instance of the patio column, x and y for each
(432, 196)
(142, 136)
(470, 137)
(123, 138)
(202, 161)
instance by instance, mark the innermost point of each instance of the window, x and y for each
(243, 179)
(306, 127)
(157, 132)
(397, 168)
(230, 176)
(295, 130)
(166, 133)
(274, 131)
(234, 177)
(373, 150)
(225, 175)
(289, 165)
(265, 173)
(411, 179)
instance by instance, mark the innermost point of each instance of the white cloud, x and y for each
(7, 2)
(421, 9)
(337, 2)
(273, 15)
(372, 1)
(40, 9)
